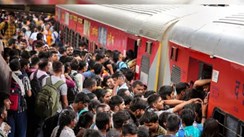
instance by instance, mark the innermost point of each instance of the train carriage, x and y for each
(142, 28)
(212, 44)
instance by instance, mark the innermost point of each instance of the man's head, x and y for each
(103, 121)
(138, 87)
(138, 107)
(69, 50)
(129, 130)
(58, 67)
(120, 118)
(155, 101)
(54, 56)
(150, 120)
(117, 103)
(173, 123)
(82, 100)
(4, 100)
(118, 78)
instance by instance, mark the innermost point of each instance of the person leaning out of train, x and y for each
(202, 83)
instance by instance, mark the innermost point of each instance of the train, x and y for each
(173, 43)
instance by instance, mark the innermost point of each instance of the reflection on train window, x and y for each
(232, 125)
(218, 115)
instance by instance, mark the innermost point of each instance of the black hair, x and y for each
(152, 99)
(149, 117)
(113, 133)
(210, 128)
(117, 74)
(44, 54)
(148, 93)
(114, 101)
(104, 82)
(138, 103)
(100, 93)
(85, 119)
(137, 82)
(57, 66)
(74, 64)
(25, 54)
(93, 104)
(129, 128)
(181, 86)
(98, 68)
(128, 73)
(187, 116)
(92, 133)
(163, 118)
(173, 122)
(143, 131)
(81, 97)
(89, 83)
(34, 60)
(14, 65)
(120, 117)
(165, 91)
(3, 96)
(65, 118)
(99, 56)
(23, 63)
(91, 95)
(39, 36)
(82, 65)
(102, 119)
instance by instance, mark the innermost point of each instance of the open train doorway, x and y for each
(198, 70)
(131, 53)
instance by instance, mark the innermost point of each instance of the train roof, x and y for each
(143, 20)
(219, 33)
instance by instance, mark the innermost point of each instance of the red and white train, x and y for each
(173, 43)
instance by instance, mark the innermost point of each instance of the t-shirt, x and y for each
(66, 132)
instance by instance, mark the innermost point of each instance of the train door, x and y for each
(132, 49)
(198, 70)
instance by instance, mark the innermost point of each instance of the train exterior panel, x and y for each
(109, 37)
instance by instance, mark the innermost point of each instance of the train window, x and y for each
(232, 125)
(176, 74)
(220, 116)
(242, 130)
(174, 53)
(149, 47)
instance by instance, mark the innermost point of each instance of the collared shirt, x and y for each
(189, 131)
(123, 86)
(11, 30)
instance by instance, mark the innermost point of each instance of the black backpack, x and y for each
(36, 84)
(72, 91)
(49, 124)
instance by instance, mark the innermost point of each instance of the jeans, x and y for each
(18, 123)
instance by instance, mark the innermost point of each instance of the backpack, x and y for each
(36, 84)
(49, 124)
(47, 100)
(57, 39)
(72, 91)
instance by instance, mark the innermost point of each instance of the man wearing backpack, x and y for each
(58, 69)
(8, 29)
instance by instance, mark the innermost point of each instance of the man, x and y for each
(103, 122)
(58, 69)
(8, 29)
(138, 88)
(129, 130)
(119, 80)
(172, 125)
(4, 99)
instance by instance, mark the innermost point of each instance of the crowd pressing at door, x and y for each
(57, 90)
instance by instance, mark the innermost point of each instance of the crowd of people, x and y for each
(59, 91)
